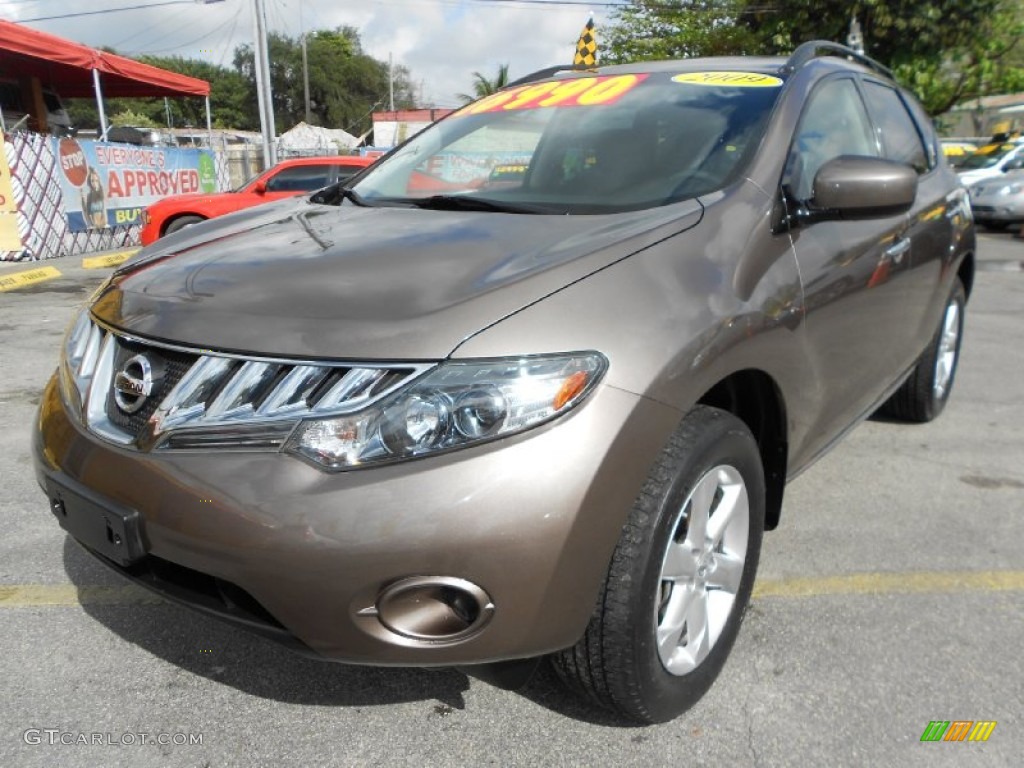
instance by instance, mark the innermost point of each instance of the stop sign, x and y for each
(73, 162)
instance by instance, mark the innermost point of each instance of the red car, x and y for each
(287, 178)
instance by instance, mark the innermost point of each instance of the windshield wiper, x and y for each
(334, 194)
(470, 203)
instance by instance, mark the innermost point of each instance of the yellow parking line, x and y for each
(109, 259)
(918, 582)
(15, 280)
(893, 583)
(65, 595)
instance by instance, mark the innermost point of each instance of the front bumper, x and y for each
(532, 520)
(1005, 213)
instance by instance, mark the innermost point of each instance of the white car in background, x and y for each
(990, 161)
(998, 202)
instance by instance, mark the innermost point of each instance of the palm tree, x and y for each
(482, 86)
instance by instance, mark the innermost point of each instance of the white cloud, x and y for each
(441, 42)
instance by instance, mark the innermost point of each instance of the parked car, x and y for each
(992, 160)
(139, 136)
(956, 152)
(549, 419)
(999, 202)
(286, 179)
(14, 111)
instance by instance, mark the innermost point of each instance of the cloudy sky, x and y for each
(442, 42)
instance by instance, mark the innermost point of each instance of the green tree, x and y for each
(229, 106)
(345, 83)
(136, 119)
(647, 30)
(484, 86)
(945, 50)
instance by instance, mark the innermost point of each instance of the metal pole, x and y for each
(99, 104)
(209, 123)
(263, 91)
(305, 81)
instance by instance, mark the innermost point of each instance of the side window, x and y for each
(301, 178)
(834, 123)
(897, 133)
(347, 171)
(926, 128)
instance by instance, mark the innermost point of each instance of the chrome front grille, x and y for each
(200, 398)
(173, 365)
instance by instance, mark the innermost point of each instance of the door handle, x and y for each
(898, 250)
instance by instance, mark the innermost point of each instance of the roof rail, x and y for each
(541, 74)
(810, 50)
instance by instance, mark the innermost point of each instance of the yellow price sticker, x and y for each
(729, 79)
(579, 92)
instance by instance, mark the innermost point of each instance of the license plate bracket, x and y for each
(105, 527)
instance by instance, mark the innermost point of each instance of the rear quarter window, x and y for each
(301, 178)
(898, 134)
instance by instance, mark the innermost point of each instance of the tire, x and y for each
(181, 222)
(924, 394)
(656, 587)
(995, 226)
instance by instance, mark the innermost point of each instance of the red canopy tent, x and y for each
(75, 70)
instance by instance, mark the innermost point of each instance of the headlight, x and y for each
(1010, 189)
(456, 405)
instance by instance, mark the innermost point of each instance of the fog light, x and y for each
(434, 608)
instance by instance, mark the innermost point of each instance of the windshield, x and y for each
(987, 156)
(593, 144)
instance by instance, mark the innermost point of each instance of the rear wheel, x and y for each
(181, 222)
(681, 575)
(924, 394)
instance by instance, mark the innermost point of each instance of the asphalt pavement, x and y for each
(892, 595)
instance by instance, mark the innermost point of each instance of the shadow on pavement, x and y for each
(259, 667)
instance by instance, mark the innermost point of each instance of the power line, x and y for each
(199, 39)
(109, 10)
(134, 37)
(230, 36)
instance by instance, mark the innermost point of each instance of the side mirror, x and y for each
(855, 187)
(260, 187)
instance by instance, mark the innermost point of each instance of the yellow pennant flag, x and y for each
(586, 47)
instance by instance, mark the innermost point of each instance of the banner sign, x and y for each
(10, 240)
(107, 185)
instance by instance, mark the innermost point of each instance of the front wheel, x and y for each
(925, 393)
(681, 575)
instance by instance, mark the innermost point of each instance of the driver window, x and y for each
(834, 123)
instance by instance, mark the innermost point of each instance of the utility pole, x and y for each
(391, 83)
(305, 68)
(305, 81)
(263, 91)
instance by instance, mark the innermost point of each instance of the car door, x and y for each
(849, 268)
(929, 231)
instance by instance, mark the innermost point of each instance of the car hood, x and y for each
(303, 280)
